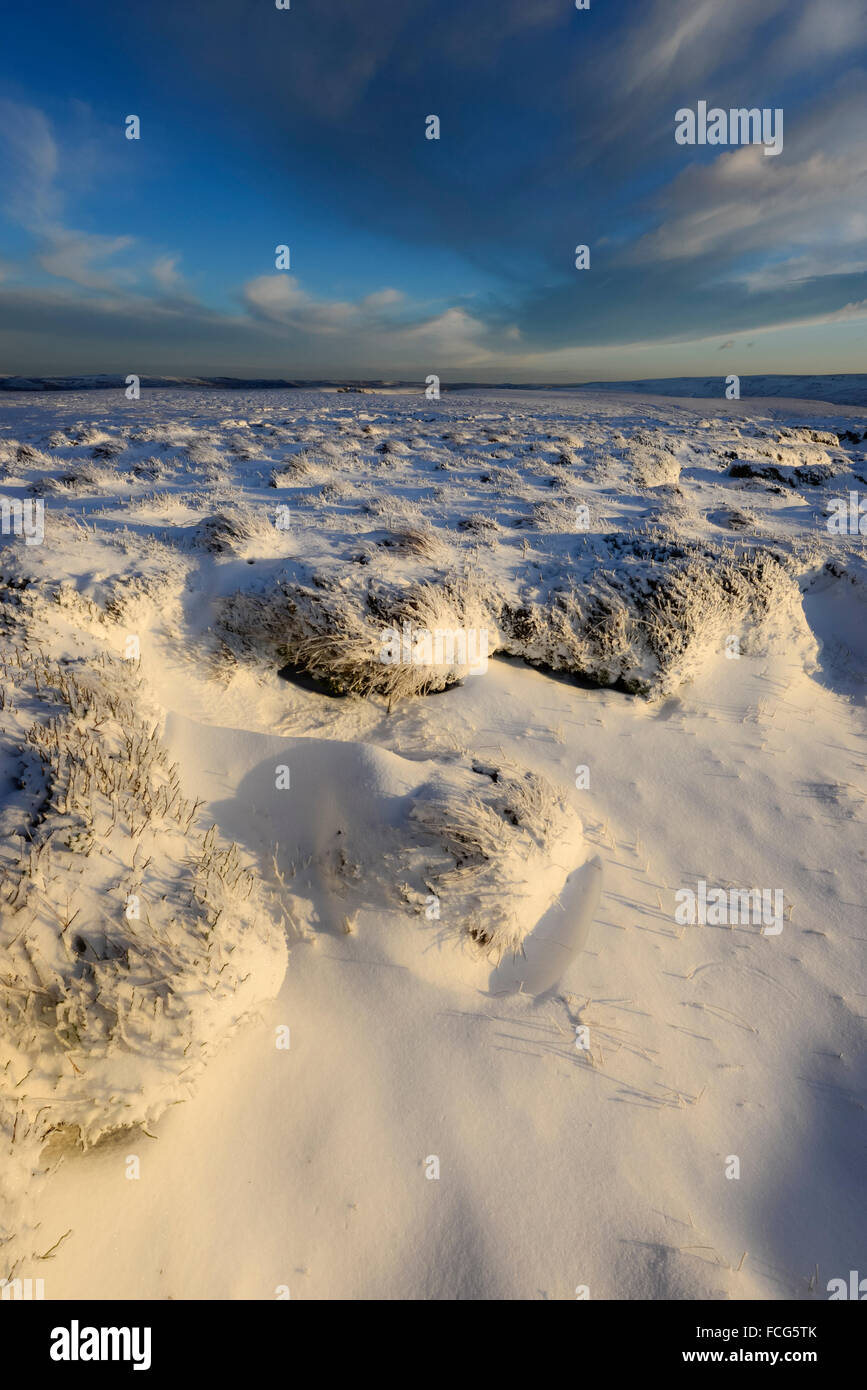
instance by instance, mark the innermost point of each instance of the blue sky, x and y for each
(306, 127)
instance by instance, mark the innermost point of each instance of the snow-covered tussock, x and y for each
(230, 531)
(339, 633)
(652, 458)
(130, 941)
(479, 835)
(637, 613)
(83, 478)
(647, 622)
(479, 850)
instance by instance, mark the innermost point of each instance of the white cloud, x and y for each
(76, 256)
(674, 43)
(829, 29)
(453, 334)
(166, 274)
(382, 299)
(796, 270)
(30, 162)
(858, 310)
(280, 299)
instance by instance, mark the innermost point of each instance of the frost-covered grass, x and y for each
(513, 818)
(585, 526)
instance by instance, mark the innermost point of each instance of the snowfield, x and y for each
(357, 751)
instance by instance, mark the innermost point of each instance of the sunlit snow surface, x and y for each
(673, 693)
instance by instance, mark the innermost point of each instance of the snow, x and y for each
(438, 882)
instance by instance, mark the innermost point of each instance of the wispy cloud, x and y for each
(385, 325)
(82, 256)
(30, 160)
(33, 200)
(742, 202)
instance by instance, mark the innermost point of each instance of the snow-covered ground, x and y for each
(469, 1075)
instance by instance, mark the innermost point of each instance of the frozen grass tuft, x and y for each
(232, 532)
(514, 818)
(421, 541)
(337, 633)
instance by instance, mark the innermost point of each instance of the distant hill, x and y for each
(844, 388)
(106, 383)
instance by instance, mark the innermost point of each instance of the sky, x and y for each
(306, 127)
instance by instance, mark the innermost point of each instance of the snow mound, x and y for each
(652, 459)
(835, 604)
(496, 851)
(479, 850)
